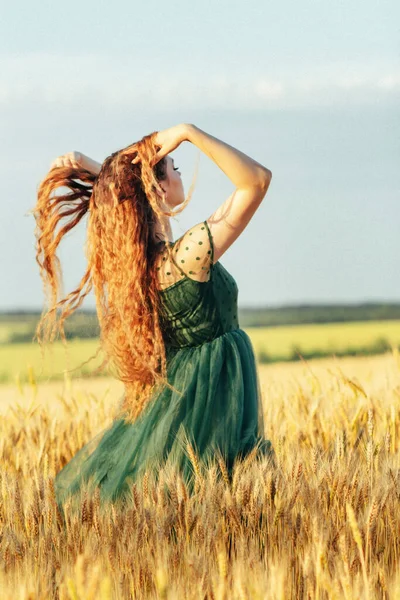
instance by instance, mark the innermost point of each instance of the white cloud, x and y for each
(390, 82)
(83, 80)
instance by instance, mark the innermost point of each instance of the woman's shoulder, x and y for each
(189, 256)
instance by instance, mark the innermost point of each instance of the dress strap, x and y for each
(210, 237)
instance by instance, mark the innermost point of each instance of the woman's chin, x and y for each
(179, 203)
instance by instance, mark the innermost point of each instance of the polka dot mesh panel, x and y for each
(192, 257)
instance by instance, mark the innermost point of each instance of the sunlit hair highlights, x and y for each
(123, 204)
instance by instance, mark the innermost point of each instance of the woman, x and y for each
(167, 309)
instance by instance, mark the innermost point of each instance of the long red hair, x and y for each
(122, 203)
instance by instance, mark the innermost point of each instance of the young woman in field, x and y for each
(167, 309)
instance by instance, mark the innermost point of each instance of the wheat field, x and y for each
(323, 523)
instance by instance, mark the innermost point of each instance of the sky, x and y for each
(311, 90)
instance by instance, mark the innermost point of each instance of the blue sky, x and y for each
(309, 89)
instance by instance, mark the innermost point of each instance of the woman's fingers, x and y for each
(71, 159)
(155, 159)
(136, 159)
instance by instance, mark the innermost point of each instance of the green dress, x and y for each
(210, 359)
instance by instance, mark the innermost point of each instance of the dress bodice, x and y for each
(201, 302)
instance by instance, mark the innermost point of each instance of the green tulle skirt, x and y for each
(220, 413)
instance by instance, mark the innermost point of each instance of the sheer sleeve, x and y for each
(193, 252)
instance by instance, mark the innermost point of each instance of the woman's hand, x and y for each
(76, 160)
(167, 140)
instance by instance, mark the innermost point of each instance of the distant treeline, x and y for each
(324, 313)
(84, 323)
(379, 346)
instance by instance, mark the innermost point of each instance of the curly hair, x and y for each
(123, 203)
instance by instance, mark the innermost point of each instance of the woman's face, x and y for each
(173, 186)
